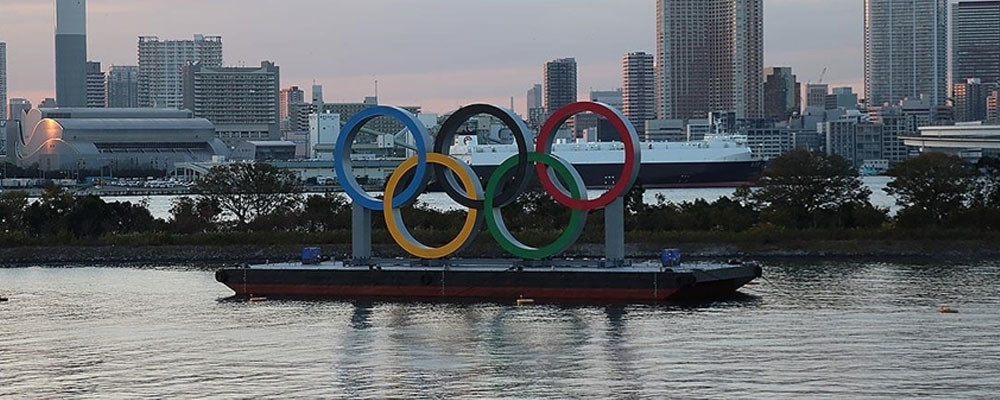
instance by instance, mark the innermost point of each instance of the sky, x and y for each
(439, 54)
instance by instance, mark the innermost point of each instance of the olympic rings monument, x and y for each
(533, 273)
(557, 177)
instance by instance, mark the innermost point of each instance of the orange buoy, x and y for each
(947, 310)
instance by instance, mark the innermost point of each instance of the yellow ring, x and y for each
(393, 217)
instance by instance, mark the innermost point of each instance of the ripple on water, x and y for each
(819, 329)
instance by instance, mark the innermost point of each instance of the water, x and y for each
(159, 206)
(832, 329)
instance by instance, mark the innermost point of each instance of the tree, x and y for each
(249, 191)
(802, 189)
(12, 209)
(931, 188)
(326, 212)
(189, 215)
(47, 216)
(987, 193)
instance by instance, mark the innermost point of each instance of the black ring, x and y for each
(446, 137)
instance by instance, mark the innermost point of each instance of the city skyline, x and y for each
(448, 73)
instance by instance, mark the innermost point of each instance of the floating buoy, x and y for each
(257, 299)
(525, 302)
(947, 310)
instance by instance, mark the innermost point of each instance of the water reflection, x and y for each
(814, 328)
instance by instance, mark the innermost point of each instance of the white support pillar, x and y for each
(361, 234)
(614, 233)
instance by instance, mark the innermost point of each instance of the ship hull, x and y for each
(541, 284)
(665, 175)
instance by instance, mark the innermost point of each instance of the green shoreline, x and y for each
(218, 255)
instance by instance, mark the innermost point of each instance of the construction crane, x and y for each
(822, 75)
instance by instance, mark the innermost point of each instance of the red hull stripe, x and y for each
(478, 292)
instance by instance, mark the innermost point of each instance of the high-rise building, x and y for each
(71, 53)
(993, 108)
(290, 95)
(161, 64)
(781, 93)
(3, 81)
(242, 102)
(18, 107)
(535, 111)
(816, 95)
(906, 50)
(710, 57)
(560, 84)
(534, 97)
(122, 86)
(976, 41)
(970, 99)
(317, 94)
(96, 96)
(639, 89)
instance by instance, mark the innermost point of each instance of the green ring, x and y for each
(494, 218)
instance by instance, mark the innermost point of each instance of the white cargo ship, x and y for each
(717, 161)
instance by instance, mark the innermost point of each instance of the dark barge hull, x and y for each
(540, 284)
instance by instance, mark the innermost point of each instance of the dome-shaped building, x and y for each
(65, 139)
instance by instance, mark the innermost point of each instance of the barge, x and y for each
(491, 280)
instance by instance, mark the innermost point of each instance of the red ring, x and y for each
(630, 171)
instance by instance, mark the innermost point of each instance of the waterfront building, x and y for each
(896, 124)
(299, 117)
(969, 141)
(560, 84)
(161, 67)
(639, 89)
(96, 95)
(767, 143)
(17, 108)
(3, 82)
(970, 99)
(976, 41)
(855, 140)
(709, 57)
(122, 86)
(242, 102)
(782, 96)
(324, 129)
(260, 150)
(906, 50)
(71, 53)
(88, 139)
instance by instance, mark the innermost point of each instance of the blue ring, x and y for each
(342, 157)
